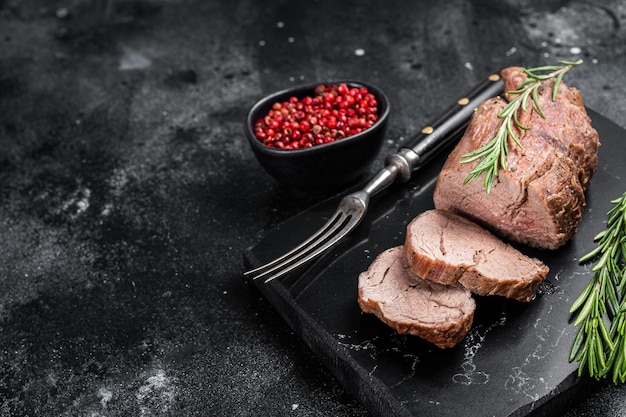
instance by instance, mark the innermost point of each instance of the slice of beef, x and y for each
(438, 313)
(447, 248)
(539, 198)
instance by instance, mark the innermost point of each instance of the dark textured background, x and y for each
(128, 192)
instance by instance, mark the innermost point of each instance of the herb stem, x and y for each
(600, 350)
(492, 156)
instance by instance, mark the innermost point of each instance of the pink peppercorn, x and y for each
(333, 113)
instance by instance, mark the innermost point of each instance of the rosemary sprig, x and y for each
(600, 350)
(492, 156)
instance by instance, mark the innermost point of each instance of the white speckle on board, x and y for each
(294, 406)
(105, 396)
(519, 381)
(575, 50)
(280, 24)
(511, 51)
(51, 379)
(133, 60)
(261, 42)
(157, 394)
(62, 12)
(77, 203)
(469, 374)
(108, 207)
(359, 52)
(366, 345)
(473, 342)
(117, 181)
(291, 39)
(414, 360)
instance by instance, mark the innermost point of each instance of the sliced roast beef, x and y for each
(446, 248)
(438, 313)
(539, 198)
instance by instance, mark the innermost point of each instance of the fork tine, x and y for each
(297, 258)
(261, 270)
(345, 218)
(324, 242)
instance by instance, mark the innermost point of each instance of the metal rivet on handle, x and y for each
(463, 101)
(494, 77)
(427, 130)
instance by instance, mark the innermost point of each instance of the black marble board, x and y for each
(514, 360)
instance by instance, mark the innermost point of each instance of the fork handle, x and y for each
(443, 130)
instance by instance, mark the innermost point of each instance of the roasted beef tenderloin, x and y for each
(446, 248)
(440, 314)
(538, 200)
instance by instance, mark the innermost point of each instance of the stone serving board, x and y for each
(514, 360)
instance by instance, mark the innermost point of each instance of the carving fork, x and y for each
(398, 167)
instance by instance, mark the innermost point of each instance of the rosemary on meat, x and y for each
(492, 156)
(602, 350)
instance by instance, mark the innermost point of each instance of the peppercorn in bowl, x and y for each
(320, 136)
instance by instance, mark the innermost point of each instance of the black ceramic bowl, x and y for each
(329, 166)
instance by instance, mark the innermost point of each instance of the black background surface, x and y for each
(128, 192)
